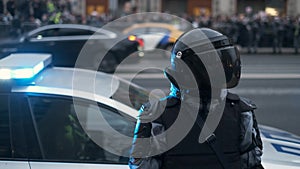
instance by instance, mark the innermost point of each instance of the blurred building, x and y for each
(230, 7)
(179, 7)
(293, 7)
(197, 7)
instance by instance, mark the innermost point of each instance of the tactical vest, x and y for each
(190, 154)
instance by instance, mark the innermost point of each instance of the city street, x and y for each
(74, 74)
(271, 81)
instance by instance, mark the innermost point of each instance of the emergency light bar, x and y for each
(23, 65)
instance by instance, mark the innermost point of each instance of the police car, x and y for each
(39, 126)
(155, 35)
(281, 149)
(48, 118)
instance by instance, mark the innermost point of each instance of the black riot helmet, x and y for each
(205, 56)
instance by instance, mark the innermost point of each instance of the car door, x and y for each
(12, 147)
(71, 136)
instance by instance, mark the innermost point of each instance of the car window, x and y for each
(64, 138)
(74, 32)
(13, 119)
(46, 33)
(62, 32)
(5, 139)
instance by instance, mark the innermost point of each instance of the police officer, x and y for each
(200, 124)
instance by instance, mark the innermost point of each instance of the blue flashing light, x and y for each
(22, 73)
(5, 74)
(23, 66)
(27, 72)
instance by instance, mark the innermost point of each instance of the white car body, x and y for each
(151, 41)
(281, 149)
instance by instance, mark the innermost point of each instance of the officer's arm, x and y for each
(251, 143)
(143, 144)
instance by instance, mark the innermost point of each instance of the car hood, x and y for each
(281, 149)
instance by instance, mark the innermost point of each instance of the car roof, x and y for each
(74, 26)
(78, 83)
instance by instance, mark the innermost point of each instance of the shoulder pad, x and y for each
(247, 105)
(232, 97)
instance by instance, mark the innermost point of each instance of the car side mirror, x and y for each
(23, 39)
(26, 38)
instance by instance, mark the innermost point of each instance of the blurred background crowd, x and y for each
(250, 30)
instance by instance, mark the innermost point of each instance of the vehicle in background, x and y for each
(59, 115)
(155, 35)
(66, 41)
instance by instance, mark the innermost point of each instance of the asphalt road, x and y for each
(271, 81)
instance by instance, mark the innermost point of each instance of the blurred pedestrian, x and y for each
(24, 9)
(55, 18)
(127, 9)
(16, 26)
(242, 31)
(281, 34)
(50, 7)
(69, 6)
(7, 18)
(1, 7)
(195, 22)
(37, 7)
(289, 32)
(94, 19)
(250, 33)
(258, 31)
(277, 34)
(11, 7)
(233, 29)
(297, 35)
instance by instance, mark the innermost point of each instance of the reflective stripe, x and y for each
(287, 149)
